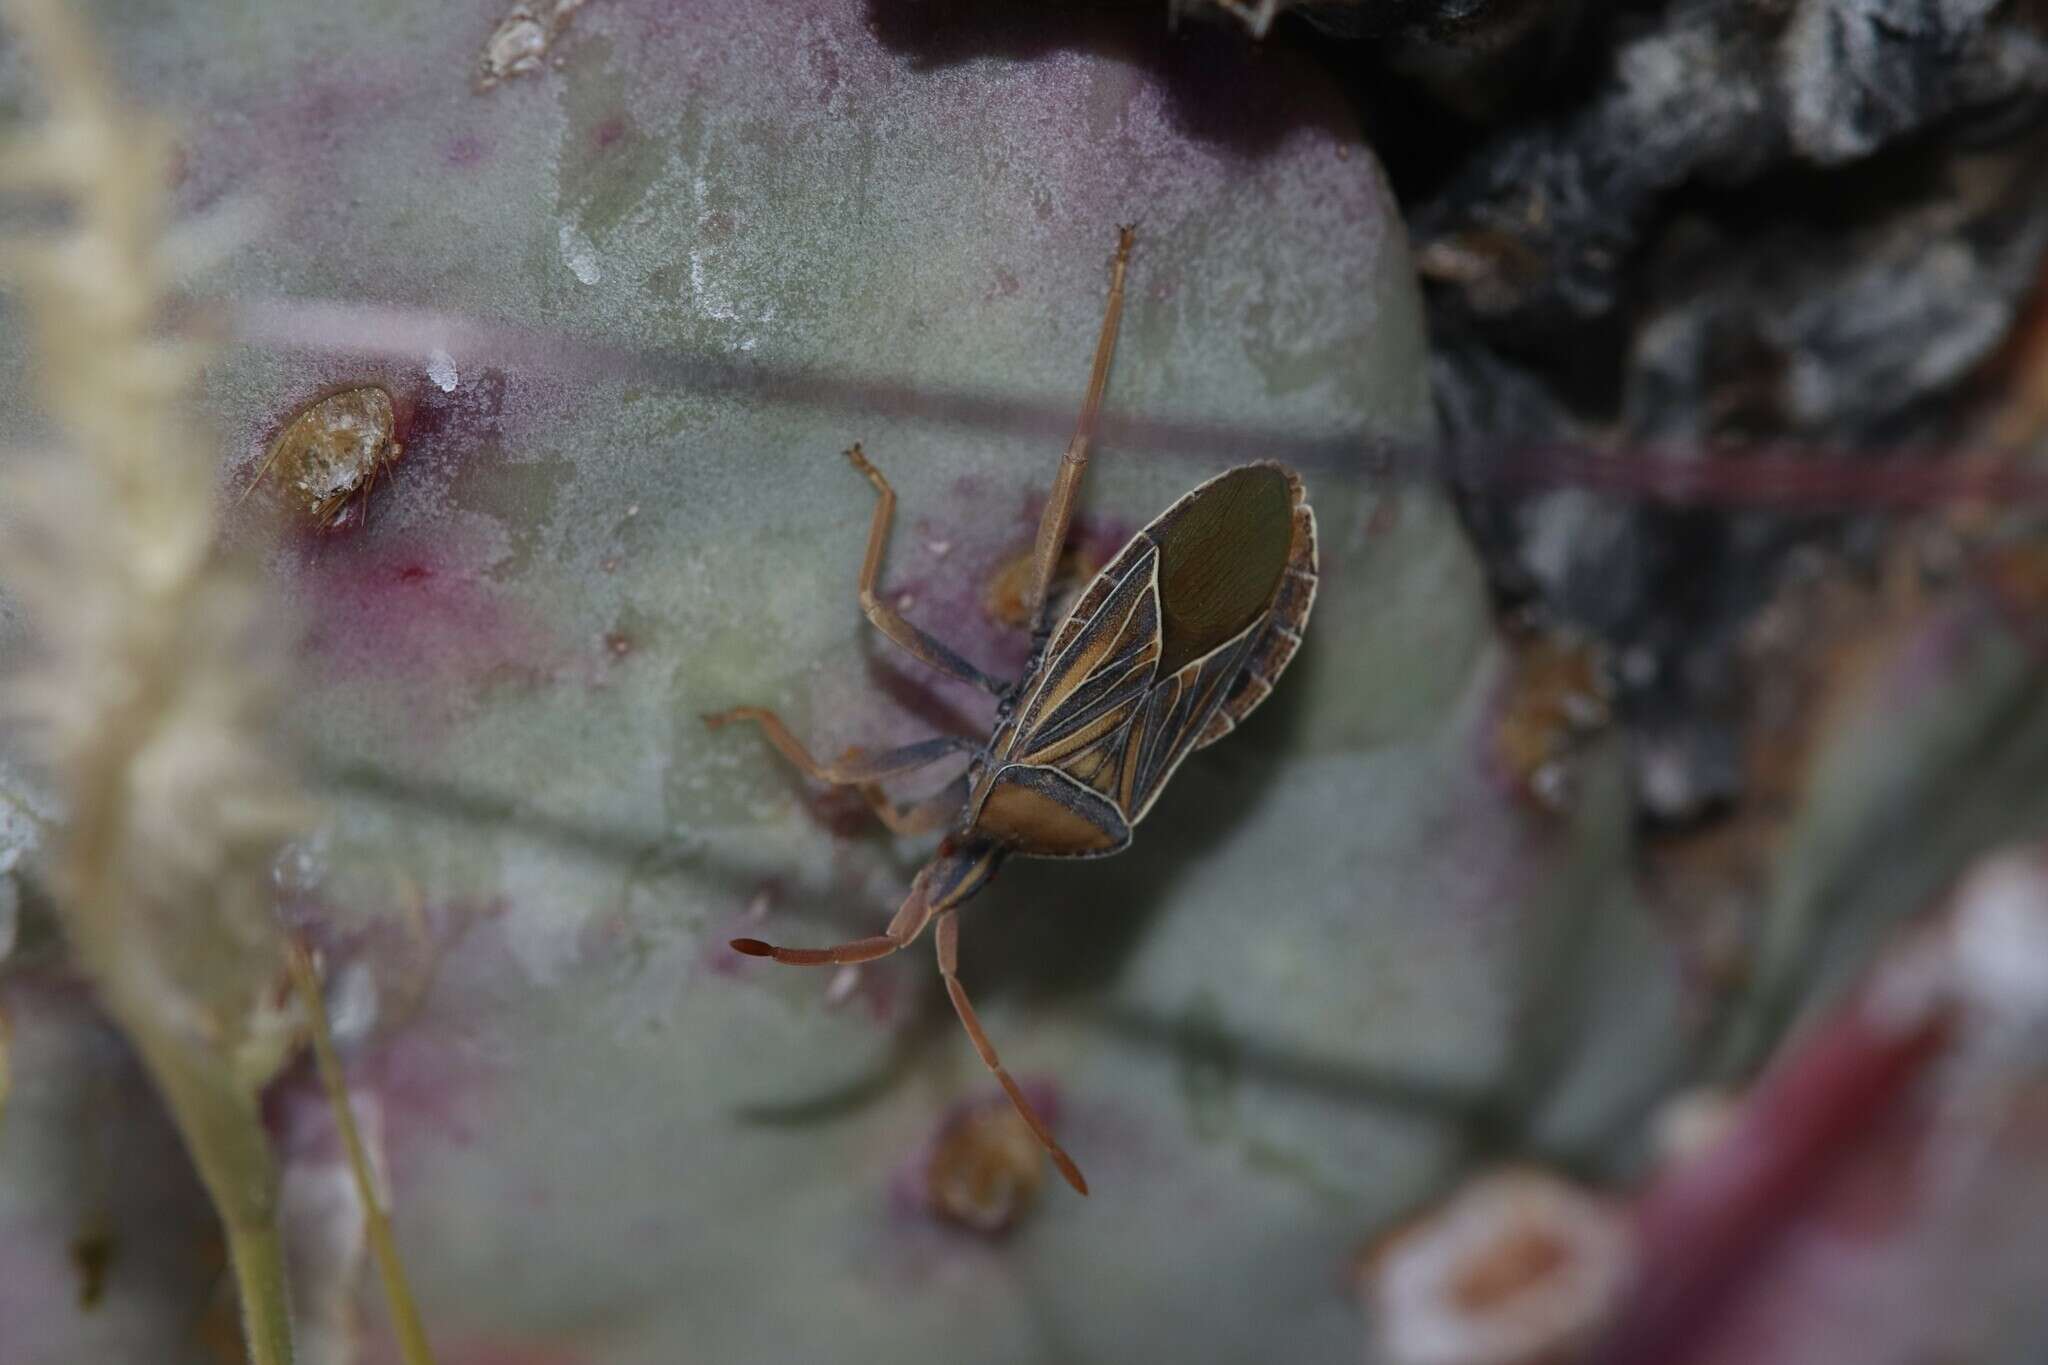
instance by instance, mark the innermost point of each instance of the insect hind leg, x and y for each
(948, 937)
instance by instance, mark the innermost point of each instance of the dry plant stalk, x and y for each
(413, 1346)
(160, 669)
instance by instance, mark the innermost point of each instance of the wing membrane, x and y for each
(1103, 717)
(1281, 633)
(1174, 716)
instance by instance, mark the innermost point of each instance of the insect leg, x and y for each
(275, 451)
(933, 813)
(855, 770)
(927, 648)
(1066, 486)
(948, 936)
(328, 511)
(369, 487)
(911, 917)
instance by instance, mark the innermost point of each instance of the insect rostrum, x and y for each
(1172, 644)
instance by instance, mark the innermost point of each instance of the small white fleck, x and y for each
(634, 510)
(1551, 784)
(300, 865)
(580, 255)
(1691, 1122)
(905, 601)
(352, 1003)
(844, 982)
(757, 908)
(441, 369)
(10, 901)
(2001, 937)
(939, 548)
(514, 48)
(521, 40)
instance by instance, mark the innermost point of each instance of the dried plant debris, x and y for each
(1679, 226)
(1857, 229)
(161, 663)
(1542, 225)
(522, 40)
(1849, 339)
(331, 454)
(985, 1168)
(1517, 1267)
(1557, 698)
(1837, 335)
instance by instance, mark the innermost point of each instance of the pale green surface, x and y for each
(1272, 1026)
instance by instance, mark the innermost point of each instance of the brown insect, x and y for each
(1172, 644)
(332, 453)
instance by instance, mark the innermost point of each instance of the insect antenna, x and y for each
(840, 954)
(1059, 504)
(910, 920)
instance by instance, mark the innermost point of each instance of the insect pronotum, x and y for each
(1172, 644)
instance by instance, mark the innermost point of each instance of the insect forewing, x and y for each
(1178, 638)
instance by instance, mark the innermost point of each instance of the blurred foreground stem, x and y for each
(413, 1347)
(152, 703)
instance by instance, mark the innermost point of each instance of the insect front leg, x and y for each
(928, 816)
(268, 461)
(856, 769)
(363, 499)
(1066, 486)
(948, 938)
(928, 649)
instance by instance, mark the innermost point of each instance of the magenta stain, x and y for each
(465, 151)
(1707, 1226)
(824, 55)
(410, 606)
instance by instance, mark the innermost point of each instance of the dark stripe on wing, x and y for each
(1099, 670)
